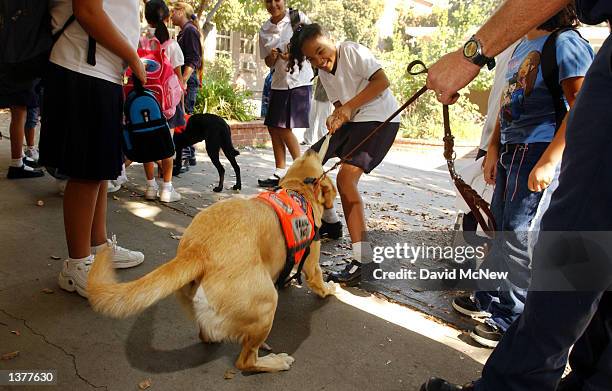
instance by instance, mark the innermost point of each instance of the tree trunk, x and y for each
(207, 27)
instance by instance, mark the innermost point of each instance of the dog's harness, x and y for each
(297, 222)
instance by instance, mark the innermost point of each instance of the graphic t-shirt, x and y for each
(527, 114)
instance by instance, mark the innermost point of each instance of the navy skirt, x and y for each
(367, 156)
(289, 109)
(81, 125)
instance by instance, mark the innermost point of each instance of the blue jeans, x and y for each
(513, 207)
(193, 86)
(534, 350)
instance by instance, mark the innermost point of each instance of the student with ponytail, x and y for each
(157, 14)
(189, 41)
(357, 86)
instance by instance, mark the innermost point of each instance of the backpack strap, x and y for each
(550, 73)
(91, 45)
(294, 16)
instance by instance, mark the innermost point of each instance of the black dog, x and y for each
(216, 132)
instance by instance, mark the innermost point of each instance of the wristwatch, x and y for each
(472, 51)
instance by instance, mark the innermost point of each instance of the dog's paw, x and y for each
(237, 187)
(218, 189)
(287, 359)
(330, 288)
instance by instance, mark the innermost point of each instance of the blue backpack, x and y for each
(146, 135)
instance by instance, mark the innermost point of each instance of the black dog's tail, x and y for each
(228, 146)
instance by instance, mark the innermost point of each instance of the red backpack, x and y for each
(161, 78)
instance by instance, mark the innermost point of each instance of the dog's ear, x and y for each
(328, 192)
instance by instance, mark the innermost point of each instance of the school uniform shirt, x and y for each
(527, 114)
(277, 36)
(355, 65)
(173, 50)
(70, 50)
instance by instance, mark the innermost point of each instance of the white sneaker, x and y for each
(114, 185)
(32, 153)
(169, 194)
(151, 192)
(73, 276)
(122, 257)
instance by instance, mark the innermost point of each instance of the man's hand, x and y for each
(449, 74)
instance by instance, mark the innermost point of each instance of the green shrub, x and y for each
(218, 94)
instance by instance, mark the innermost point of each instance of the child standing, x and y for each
(290, 95)
(157, 14)
(82, 121)
(357, 86)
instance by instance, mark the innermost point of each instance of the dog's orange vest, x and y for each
(297, 222)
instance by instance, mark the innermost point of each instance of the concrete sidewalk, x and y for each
(352, 341)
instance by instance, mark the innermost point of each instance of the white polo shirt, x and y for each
(277, 36)
(355, 66)
(70, 50)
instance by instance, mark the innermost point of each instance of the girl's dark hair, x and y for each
(567, 17)
(156, 11)
(301, 34)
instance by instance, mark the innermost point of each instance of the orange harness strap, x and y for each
(297, 222)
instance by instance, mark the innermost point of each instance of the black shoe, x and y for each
(31, 162)
(486, 335)
(331, 230)
(23, 172)
(350, 275)
(178, 170)
(437, 384)
(192, 161)
(269, 182)
(467, 306)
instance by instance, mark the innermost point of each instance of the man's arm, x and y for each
(510, 22)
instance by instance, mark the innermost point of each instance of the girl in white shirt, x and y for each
(357, 86)
(82, 122)
(290, 94)
(157, 14)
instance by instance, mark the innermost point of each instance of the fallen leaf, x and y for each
(177, 237)
(55, 257)
(10, 356)
(388, 362)
(326, 253)
(327, 263)
(143, 385)
(47, 291)
(115, 198)
(16, 332)
(229, 374)
(40, 203)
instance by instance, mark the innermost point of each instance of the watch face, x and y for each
(470, 49)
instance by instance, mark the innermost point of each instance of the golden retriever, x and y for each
(225, 268)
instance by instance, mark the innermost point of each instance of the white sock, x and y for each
(280, 172)
(79, 260)
(99, 247)
(330, 216)
(362, 252)
(151, 182)
(167, 185)
(17, 162)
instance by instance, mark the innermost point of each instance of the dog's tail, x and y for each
(119, 300)
(228, 146)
